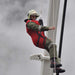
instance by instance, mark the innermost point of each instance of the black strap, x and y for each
(44, 42)
(39, 36)
(38, 39)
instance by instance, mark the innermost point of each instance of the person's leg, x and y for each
(52, 50)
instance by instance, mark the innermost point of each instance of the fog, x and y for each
(16, 45)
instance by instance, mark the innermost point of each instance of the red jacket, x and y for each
(38, 37)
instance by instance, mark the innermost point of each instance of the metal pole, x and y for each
(62, 30)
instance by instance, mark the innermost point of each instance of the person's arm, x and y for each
(34, 26)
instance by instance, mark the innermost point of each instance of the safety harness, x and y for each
(41, 39)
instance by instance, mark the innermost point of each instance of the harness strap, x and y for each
(39, 39)
(44, 42)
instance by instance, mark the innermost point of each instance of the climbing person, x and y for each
(35, 29)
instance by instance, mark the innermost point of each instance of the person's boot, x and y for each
(58, 70)
(54, 63)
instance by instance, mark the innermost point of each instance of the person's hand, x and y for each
(52, 28)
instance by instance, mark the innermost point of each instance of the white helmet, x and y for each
(32, 12)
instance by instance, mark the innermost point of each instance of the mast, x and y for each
(52, 21)
(53, 17)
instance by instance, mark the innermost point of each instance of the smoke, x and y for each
(13, 11)
(16, 45)
(16, 10)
